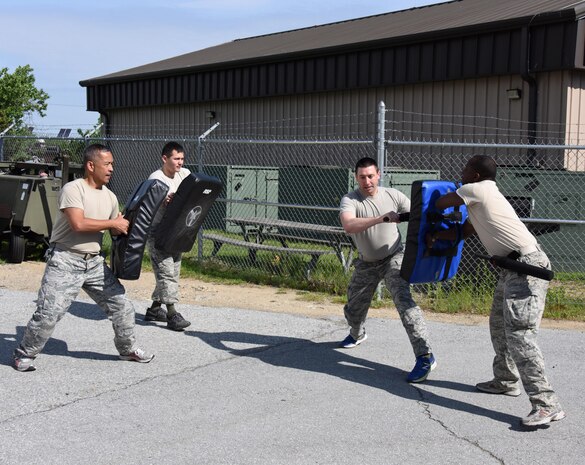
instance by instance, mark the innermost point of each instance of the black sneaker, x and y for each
(155, 314)
(177, 322)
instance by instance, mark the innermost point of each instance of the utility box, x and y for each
(550, 195)
(242, 183)
(310, 186)
(402, 179)
(324, 186)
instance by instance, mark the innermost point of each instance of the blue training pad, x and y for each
(420, 264)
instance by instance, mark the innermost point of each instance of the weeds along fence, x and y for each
(303, 180)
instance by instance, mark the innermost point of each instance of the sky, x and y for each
(67, 41)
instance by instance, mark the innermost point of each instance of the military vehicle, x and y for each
(29, 197)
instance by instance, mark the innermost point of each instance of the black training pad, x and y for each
(127, 251)
(178, 228)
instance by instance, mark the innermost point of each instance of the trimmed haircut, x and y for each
(167, 150)
(485, 166)
(365, 163)
(92, 152)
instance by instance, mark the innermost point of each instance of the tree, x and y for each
(19, 96)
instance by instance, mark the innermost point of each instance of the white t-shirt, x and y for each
(173, 184)
(383, 239)
(494, 219)
(98, 204)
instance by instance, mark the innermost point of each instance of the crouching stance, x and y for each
(369, 215)
(87, 208)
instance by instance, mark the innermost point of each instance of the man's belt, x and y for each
(82, 255)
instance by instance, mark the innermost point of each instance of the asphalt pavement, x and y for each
(249, 387)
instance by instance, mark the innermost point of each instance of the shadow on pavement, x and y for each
(88, 311)
(327, 358)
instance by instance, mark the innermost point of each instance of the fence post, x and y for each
(381, 145)
(2, 140)
(381, 139)
(200, 141)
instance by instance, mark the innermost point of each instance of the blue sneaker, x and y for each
(424, 365)
(349, 342)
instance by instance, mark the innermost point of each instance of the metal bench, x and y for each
(256, 229)
(218, 240)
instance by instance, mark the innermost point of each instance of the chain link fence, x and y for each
(279, 182)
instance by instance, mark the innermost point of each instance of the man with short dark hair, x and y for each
(167, 266)
(519, 299)
(86, 208)
(369, 214)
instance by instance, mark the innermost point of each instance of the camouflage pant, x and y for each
(362, 286)
(65, 275)
(167, 269)
(514, 321)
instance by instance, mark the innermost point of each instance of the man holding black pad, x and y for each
(519, 299)
(167, 265)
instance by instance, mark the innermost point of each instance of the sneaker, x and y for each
(23, 363)
(493, 387)
(424, 365)
(177, 322)
(155, 314)
(137, 356)
(349, 342)
(543, 416)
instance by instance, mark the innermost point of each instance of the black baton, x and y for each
(518, 267)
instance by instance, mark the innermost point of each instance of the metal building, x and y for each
(520, 62)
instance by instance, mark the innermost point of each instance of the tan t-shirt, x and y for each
(98, 204)
(173, 184)
(494, 219)
(383, 239)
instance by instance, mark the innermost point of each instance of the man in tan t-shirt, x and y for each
(369, 214)
(86, 209)
(518, 302)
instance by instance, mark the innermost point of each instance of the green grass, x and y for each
(464, 294)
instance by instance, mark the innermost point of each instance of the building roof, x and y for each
(411, 25)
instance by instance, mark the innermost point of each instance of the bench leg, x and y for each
(216, 246)
(252, 255)
(311, 265)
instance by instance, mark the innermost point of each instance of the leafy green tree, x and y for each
(19, 96)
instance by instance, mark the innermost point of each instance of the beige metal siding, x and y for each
(473, 110)
(575, 120)
(429, 111)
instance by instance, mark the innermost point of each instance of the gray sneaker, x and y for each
(137, 356)
(543, 415)
(155, 314)
(177, 322)
(22, 362)
(493, 387)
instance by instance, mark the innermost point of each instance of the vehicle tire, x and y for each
(16, 248)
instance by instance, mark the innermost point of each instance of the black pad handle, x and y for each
(519, 267)
(437, 217)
